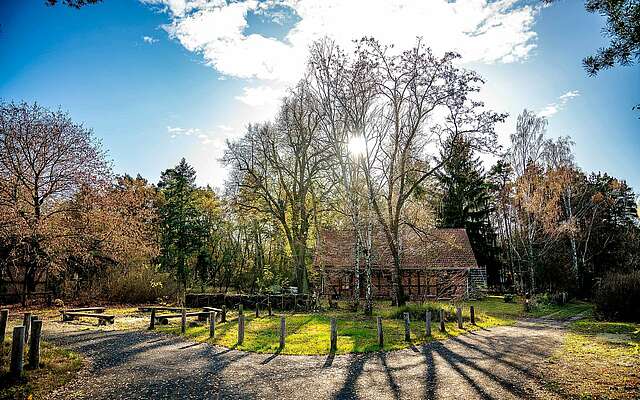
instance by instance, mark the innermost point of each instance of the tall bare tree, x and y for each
(421, 101)
(275, 170)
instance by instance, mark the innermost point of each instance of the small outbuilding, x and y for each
(436, 265)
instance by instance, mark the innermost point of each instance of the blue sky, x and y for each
(206, 69)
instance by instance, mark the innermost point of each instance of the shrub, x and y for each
(509, 298)
(138, 284)
(417, 311)
(618, 295)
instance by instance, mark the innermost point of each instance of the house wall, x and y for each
(418, 284)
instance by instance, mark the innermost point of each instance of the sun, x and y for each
(357, 146)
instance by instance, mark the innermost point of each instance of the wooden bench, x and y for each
(158, 308)
(103, 319)
(163, 319)
(208, 310)
(95, 310)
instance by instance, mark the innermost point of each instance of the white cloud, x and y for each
(176, 131)
(481, 30)
(215, 137)
(261, 96)
(149, 39)
(553, 108)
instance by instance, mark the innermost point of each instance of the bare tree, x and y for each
(275, 170)
(345, 90)
(420, 100)
(45, 159)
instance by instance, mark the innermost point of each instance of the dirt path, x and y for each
(490, 364)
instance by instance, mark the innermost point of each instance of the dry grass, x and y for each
(599, 360)
(58, 367)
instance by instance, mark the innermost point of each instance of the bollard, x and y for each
(240, 329)
(380, 334)
(34, 345)
(472, 313)
(407, 327)
(152, 323)
(26, 322)
(223, 317)
(459, 316)
(240, 309)
(427, 321)
(283, 331)
(442, 329)
(183, 327)
(334, 335)
(17, 352)
(4, 317)
(212, 324)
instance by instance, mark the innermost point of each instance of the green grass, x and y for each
(309, 333)
(58, 367)
(560, 312)
(598, 360)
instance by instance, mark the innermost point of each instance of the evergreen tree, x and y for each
(181, 228)
(466, 203)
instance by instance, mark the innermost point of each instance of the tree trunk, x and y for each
(356, 272)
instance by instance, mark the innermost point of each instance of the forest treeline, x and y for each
(373, 139)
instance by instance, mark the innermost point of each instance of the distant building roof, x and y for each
(437, 248)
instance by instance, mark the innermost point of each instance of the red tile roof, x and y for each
(437, 248)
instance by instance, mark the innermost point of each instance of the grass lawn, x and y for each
(58, 366)
(555, 311)
(309, 333)
(599, 360)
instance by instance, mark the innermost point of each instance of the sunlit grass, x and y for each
(598, 360)
(309, 333)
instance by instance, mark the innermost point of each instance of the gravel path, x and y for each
(499, 363)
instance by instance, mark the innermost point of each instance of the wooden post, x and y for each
(240, 309)
(4, 318)
(34, 345)
(427, 321)
(283, 331)
(334, 335)
(407, 327)
(269, 304)
(26, 322)
(212, 324)
(223, 317)
(380, 334)
(442, 329)
(152, 323)
(240, 329)
(183, 327)
(472, 313)
(17, 351)
(459, 315)
(282, 301)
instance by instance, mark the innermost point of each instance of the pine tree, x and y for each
(181, 227)
(466, 203)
